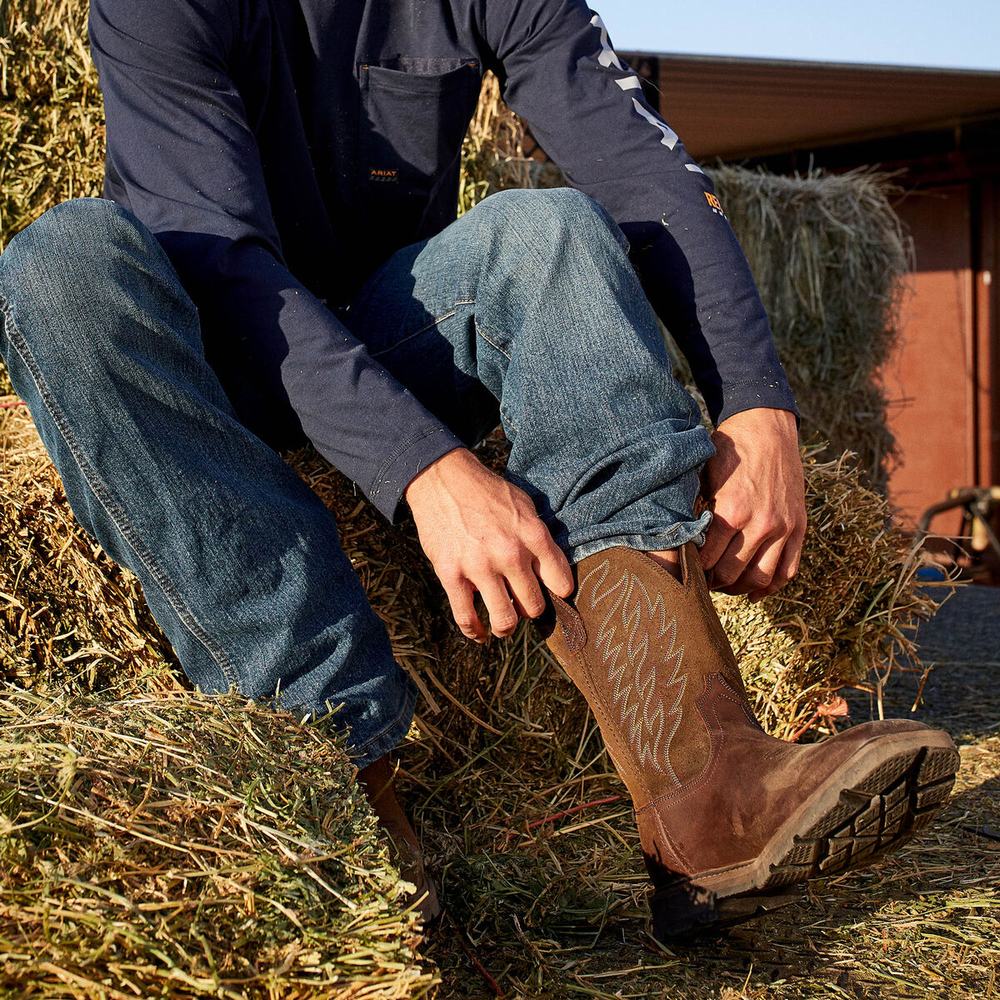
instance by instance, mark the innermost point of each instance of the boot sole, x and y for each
(887, 792)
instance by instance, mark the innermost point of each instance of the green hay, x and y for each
(181, 846)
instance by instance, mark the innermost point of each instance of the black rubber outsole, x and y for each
(868, 820)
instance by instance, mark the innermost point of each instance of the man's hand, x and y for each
(755, 486)
(482, 533)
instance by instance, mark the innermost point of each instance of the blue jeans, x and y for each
(526, 311)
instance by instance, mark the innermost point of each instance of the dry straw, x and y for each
(186, 846)
(51, 114)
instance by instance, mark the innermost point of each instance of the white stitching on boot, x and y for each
(638, 690)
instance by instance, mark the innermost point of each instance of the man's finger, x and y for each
(503, 614)
(554, 569)
(730, 565)
(461, 598)
(793, 550)
(717, 540)
(787, 567)
(760, 568)
(528, 599)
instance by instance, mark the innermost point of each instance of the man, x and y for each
(276, 258)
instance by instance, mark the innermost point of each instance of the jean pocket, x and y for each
(413, 119)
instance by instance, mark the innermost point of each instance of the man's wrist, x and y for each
(773, 393)
(430, 478)
(761, 419)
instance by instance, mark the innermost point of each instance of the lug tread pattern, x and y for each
(875, 817)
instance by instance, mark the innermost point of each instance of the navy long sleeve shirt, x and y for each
(280, 150)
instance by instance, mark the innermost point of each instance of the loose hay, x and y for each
(520, 806)
(493, 154)
(181, 846)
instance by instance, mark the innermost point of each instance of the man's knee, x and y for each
(554, 215)
(63, 277)
(67, 244)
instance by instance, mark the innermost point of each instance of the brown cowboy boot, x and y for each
(728, 816)
(378, 782)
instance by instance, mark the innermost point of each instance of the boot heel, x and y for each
(683, 910)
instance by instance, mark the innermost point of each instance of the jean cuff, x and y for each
(391, 734)
(672, 537)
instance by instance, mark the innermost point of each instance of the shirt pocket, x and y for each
(412, 125)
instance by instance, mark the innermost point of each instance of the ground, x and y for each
(924, 923)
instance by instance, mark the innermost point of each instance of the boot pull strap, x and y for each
(574, 633)
(691, 568)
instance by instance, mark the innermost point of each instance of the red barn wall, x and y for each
(931, 377)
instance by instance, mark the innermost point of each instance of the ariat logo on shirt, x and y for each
(384, 175)
(714, 203)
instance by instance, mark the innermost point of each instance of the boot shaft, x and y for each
(642, 645)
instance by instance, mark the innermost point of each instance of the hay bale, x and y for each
(828, 254)
(51, 111)
(182, 846)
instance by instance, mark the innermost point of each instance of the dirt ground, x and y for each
(923, 923)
